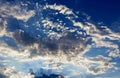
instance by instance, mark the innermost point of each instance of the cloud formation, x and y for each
(54, 33)
(16, 11)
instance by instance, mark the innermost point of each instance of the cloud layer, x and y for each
(53, 32)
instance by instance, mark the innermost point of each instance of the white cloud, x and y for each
(3, 26)
(86, 63)
(62, 9)
(16, 11)
(114, 53)
(10, 72)
(99, 36)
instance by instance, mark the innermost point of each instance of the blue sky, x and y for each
(99, 10)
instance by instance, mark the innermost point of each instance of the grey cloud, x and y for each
(2, 24)
(23, 37)
(68, 44)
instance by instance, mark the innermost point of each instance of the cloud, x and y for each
(98, 36)
(3, 24)
(23, 37)
(85, 63)
(100, 65)
(65, 40)
(10, 72)
(62, 9)
(17, 11)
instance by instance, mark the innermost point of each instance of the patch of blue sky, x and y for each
(9, 41)
(13, 24)
(94, 51)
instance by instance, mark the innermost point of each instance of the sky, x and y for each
(99, 10)
(75, 39)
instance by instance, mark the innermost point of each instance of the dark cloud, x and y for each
(51, 76)
(66, 44)
(41, 74)
(51, 46)
(2, 24)
(23, 37)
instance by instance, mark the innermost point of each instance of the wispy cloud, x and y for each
(15, 11)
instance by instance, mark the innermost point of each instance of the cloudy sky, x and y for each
(76, 39)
